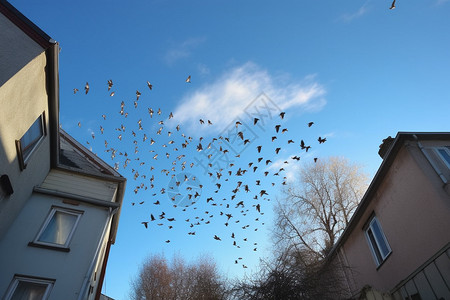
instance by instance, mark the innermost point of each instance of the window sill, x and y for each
(379, 266)
(37, 245)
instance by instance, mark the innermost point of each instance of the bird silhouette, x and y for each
(392, 5)
(188, 79)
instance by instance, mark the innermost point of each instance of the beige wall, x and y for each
(22, 99)
(413, 210)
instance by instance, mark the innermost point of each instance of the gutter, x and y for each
(52, 71)
(75, 197)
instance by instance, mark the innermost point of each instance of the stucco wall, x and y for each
(412, 208)
(68, 268)
(16, 49)
(22, 99)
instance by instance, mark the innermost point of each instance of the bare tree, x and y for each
(160, 279)
(317, 207)
(310, 217)
(288, 277)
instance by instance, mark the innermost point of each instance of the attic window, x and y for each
(30, 140)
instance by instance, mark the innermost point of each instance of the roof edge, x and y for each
(28, 27)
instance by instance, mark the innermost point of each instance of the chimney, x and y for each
(385, 146)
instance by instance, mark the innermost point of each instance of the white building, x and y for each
(59, 203)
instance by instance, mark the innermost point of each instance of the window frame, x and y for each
(32, 146)
(31, 279)
(65, 247)
(378, 260)
(443, 159)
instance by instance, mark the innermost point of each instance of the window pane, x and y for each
(380, 238)
(31, 137)
(29, 291)
(374, 246)
(444, 155)
(59, 228)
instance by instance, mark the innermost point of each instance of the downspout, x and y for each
(102, 272)
(52, 71)
(430, 160)
(85, 286)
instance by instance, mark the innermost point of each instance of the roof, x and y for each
(389, 157)
(75, 156)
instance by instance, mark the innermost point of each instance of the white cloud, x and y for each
(182, 50)
(224, 100)
(441, 2)
(358, 14)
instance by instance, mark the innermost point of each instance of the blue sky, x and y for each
(360, 71)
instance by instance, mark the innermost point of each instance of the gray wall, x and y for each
(68, 268)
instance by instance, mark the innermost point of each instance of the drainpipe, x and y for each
(435, 167)
(85, 287)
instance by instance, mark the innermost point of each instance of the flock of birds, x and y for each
(235, 199)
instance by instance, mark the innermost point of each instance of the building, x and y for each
(397, 244)
(59, 203)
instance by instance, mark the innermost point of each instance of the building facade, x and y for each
(59, 203)
(398, 241)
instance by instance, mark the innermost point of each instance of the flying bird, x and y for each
(188, 79)
(392, 5)
(310, 124)
(150, 86)
(282, 114)
(86, 88)
(322, 140)
(110, 84)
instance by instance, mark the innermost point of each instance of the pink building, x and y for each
(398, 241)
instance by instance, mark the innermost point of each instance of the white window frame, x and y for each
(370, 226)
(33, 145)
(447, 150)
(54, 209)
(19, 278)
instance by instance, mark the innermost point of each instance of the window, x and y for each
(377, 241)
(29, 288)
(58, 228)
(30, 140)
(444, 154)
